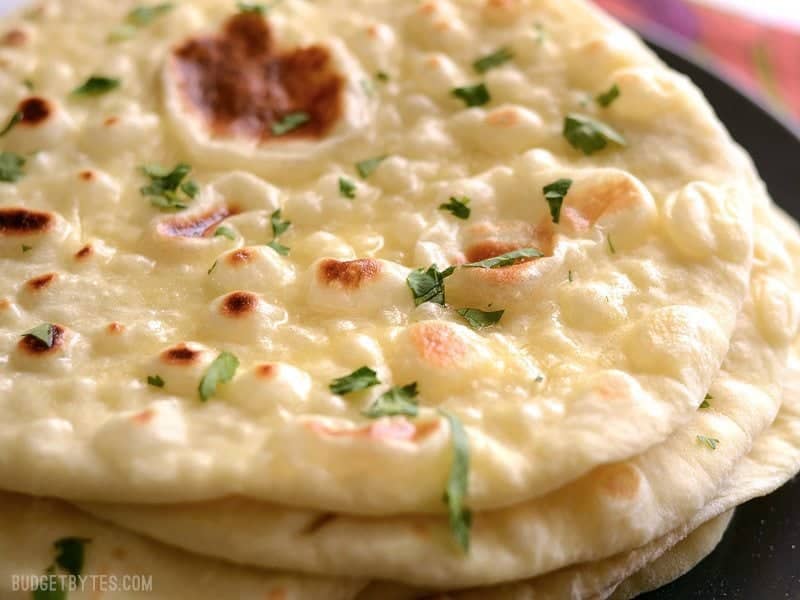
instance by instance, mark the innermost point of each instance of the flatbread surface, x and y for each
(608, 342)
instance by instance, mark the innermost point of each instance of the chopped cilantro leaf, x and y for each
(166, 186)
(45, 333)
(473, 95)
(382, 76)
(70, 554)
(96, 85)
(457, 206)
(220, 371)
(397, 401)
(611, 247)
(289, 123)
(708, 441)
(427, 285)
(139, 17)
(589, 135)
(490, 61)
(11, 167)
(505, 260)
(478, 319)
(360, 379)
(347, 188)
(555, 193)
(225, 232)
(606, 98)
(458, 483)
(155, 381)
(26, 248)
(12, 122)
(247, 7)
(367, 167)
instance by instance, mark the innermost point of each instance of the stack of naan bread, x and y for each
(377, 299)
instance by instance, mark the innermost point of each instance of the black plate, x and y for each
(759, 557)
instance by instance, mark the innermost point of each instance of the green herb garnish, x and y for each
(397, 401)
(478, 319)
(138, 18)
(12, 122)
(382, 76)
(606, 98)
(167, 189)
(367, 167)
(611, 247)
(220, 371)
(279, 226)
(458, 207)
(96, 85)
(427, 285)
(490, 61)
(155, 381)
(705, 403)
(225, 232)
(26, 248)
(289, 123)
(473, 95)
(11, 167)
(360, 379)
(589, 135)
(347, 188)
(554, 193)
(258, 9)
(708, 441)
(505, 260)
(45, 333)
(70, 554)
(214, 266)
(458, 483)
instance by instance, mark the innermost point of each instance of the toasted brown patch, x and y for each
(180, 354)
(5, 303)
(428, 8)
(84, 252)
(438, 345)
(583, 209)
(238, 304)
(317, 523)
(119, 553)
(39, 283)
(195, 226)
(115, 328)
(241, 257)
(349, 274)
(111, 121)
(620, 481)
(503, 117)
(21, 221)
(34, 110)
(14, 37)
(86, 175)
(144, 417)
(277, 594)
(35, 347)
(541, 237)
(242, 84)
(266, 371)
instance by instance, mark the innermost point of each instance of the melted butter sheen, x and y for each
(205, 85)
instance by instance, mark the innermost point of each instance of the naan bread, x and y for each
(676, 561)
(773, 460)
(29, 528)
(608, 342)
(614, 509)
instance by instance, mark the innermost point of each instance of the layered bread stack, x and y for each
(355, 299)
